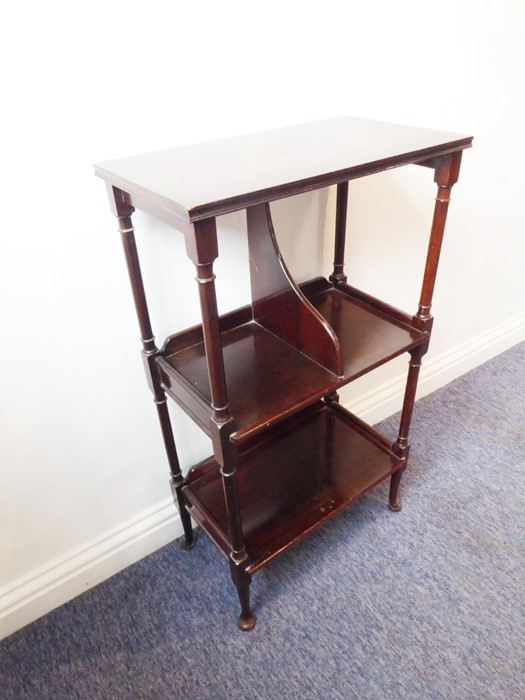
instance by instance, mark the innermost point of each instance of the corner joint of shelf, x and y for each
(338, 278)
(401, 451)
(423, 324)
(221, 432)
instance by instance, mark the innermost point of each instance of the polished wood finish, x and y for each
(262, 380)
(150, 351)
(267, 378)
(208, 179)
(446, 175)
(331, 459)
(278, 304)
(401, 446)
(341, 207)
(201, 246)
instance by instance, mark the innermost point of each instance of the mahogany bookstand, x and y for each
(262, 381)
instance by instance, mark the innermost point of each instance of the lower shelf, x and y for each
(294, 478)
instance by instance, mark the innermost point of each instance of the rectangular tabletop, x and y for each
(208, 179)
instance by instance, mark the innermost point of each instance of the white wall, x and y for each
(84, 486)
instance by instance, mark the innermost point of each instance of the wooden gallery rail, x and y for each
(262, 381)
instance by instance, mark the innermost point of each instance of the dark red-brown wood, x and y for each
(446, 175)
(204, 180)
(278, 303)
(201, 246)
(262, 380)
(123, 212)
(267, 378)
(338, 275)
(299, 476)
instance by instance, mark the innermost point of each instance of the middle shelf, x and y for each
(268, 379)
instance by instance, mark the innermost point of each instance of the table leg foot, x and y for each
(246, 624)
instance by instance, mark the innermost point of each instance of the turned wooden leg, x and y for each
(393, 500)
(123, 212)
(446, 173)
(189, 534)
(338, 275)
(201, 246)
(401, 446)
(242, 580)
(177, 479)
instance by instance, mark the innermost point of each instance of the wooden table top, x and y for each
(208, 179)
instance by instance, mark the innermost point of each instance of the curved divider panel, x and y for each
(278, 303)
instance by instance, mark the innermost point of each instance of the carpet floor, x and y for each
(425, 603)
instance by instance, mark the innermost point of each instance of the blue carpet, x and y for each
(426, 603)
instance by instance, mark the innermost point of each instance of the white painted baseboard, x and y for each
(48, 587)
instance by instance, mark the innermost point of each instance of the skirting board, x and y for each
(47, 588)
